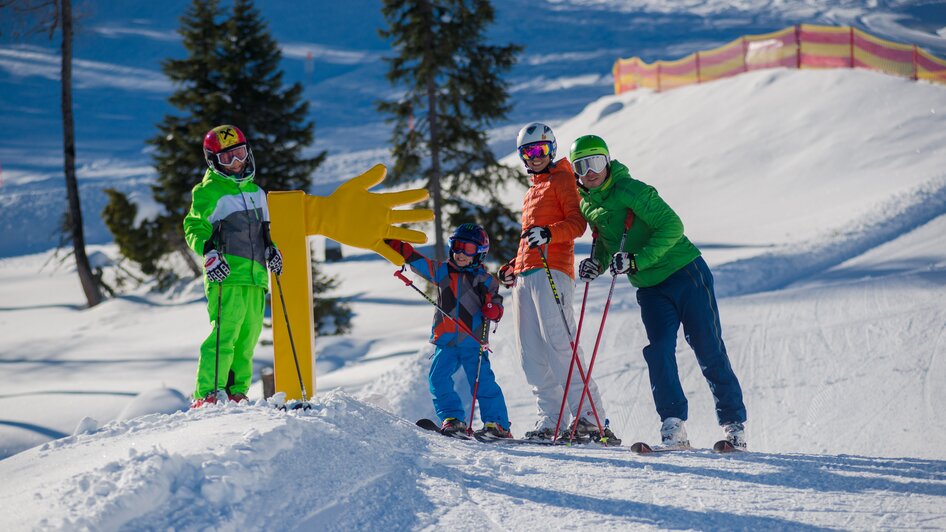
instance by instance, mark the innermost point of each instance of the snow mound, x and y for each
(223, 467)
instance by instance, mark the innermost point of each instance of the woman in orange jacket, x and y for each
(552, 220)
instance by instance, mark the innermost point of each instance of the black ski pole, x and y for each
(217, 349)
(305, 401)
(479, 364)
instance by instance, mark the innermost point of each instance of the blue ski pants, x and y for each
(446, 361)
(687, 298)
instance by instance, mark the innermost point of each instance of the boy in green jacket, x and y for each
(674, 287)
(228, 224)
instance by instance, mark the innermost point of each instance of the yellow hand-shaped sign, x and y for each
(356, 217)
(352, 216)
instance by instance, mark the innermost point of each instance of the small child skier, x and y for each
(228, 224)
(466, 292)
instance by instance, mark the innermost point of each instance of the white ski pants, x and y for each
(545, 347)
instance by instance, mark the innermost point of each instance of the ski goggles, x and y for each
(467, 248)
(535, 150)
(239, 153)
(595, 163)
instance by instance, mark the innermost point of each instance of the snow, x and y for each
(817, 197)
(831, 259)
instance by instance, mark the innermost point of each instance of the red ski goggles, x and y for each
(467, 248)
(535, 150)
(239, 153)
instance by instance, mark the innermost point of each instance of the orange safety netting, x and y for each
(800, 46)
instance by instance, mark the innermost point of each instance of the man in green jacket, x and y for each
(674, 287)
(228, 224)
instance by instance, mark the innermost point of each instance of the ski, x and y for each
(526, 441)
(725, 446)
(644, 448)
(427, 424)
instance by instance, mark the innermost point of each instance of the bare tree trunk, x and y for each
(89, 285)
(434, 143)
(185, 252)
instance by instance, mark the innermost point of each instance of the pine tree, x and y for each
(453, 94)
(230, 76)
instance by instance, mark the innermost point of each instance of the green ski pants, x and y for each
(241, 321)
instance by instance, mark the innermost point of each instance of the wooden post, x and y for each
(916, 63)
(658, 76)
(851, 32)
(699, 76)
(268, 379)
(798, 46)
(745, 53)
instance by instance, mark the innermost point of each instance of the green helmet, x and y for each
(588, 145)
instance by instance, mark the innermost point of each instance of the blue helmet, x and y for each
(472, 233)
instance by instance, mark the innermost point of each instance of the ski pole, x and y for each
(479, 364)
(591, 363)
(571, 343)
(460, 325)
(571, 366)
(305, 401)
(217, 349)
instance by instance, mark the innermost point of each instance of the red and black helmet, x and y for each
(225, 145)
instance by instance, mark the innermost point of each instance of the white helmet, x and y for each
(537, 132)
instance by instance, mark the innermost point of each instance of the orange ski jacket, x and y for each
(552, 201)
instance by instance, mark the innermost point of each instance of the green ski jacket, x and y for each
(656, 236)
(229, 217)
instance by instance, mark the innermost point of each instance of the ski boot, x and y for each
(494, 430)
(673, 435)
(736, 434)
(452, 425)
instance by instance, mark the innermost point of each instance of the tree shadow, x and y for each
(43, 431)
(824, 473)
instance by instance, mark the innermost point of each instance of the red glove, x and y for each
(492, 312)
(404, 248)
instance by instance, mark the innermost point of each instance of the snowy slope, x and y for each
(833, 253)
(349, 466)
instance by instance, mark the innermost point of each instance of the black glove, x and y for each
(216, 266)
(507, 274)
(623, 262)
(274, 259)
(589, 270)
(537, 236)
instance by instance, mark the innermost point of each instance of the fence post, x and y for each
(745, 53)
(798, 46)
(699, 76)
(916, 63)
(658, 76)
(851, 33)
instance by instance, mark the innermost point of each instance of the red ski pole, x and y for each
(627, 225)
(571, 341)
(571, 366)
